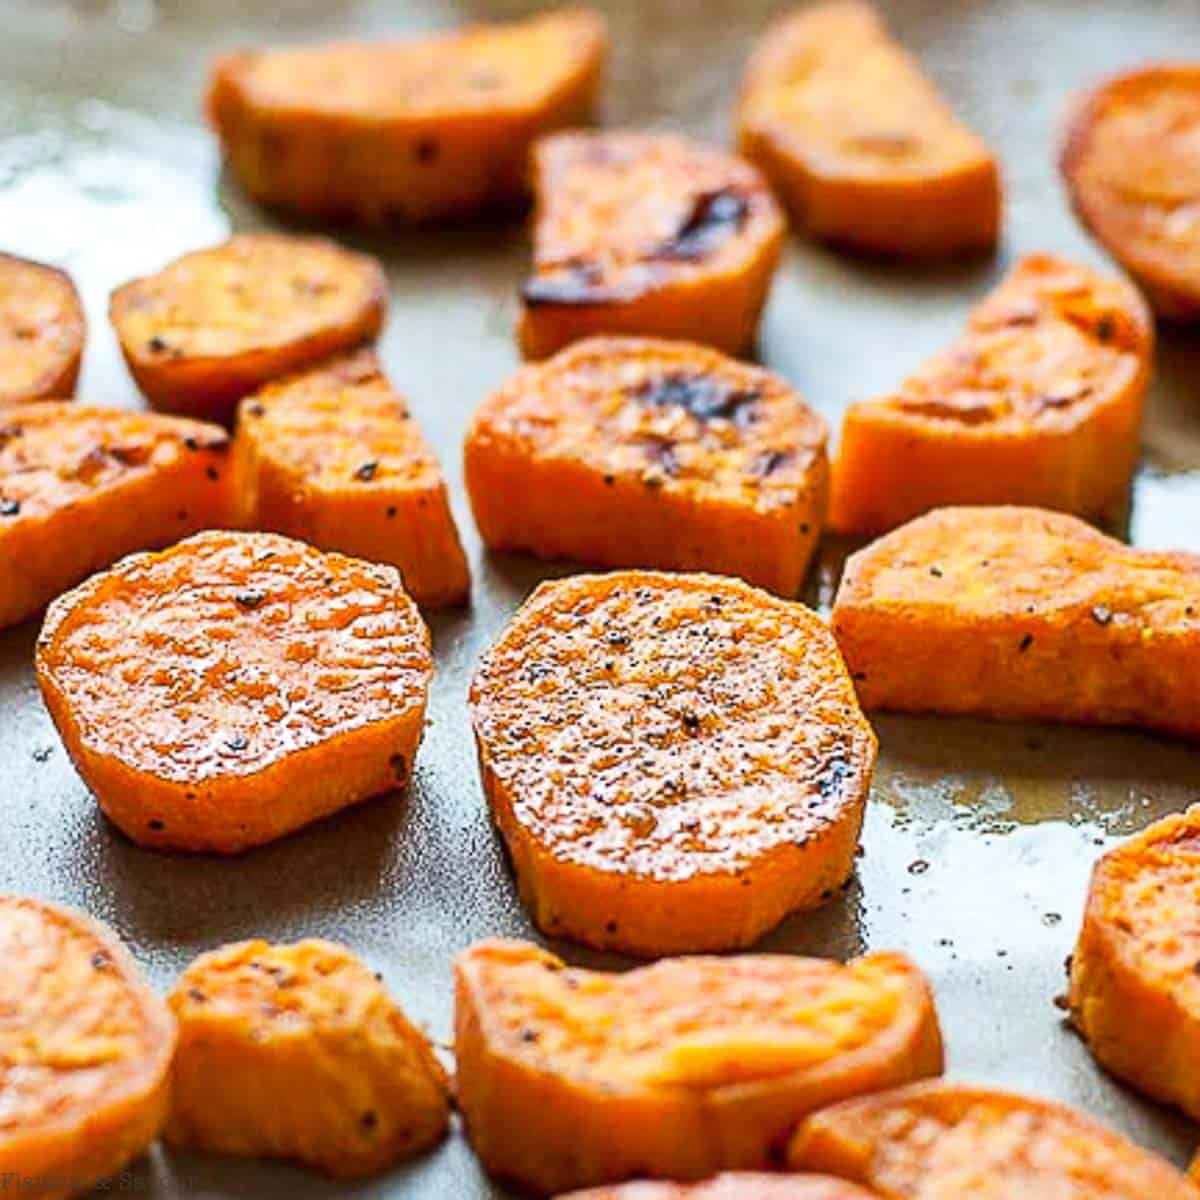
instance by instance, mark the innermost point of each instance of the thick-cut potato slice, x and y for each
(675, 762)
(85, 1052)
(216, 324)
(1132, 168)
(734, 1185)
(648, 234)
(632, 452)
(1039, 402)
(948, 1141)
(571, 1078)
(42, 329)
(859, 144)
(414, 130)
(80, 487)
(1020, 614)
(235, 687)
(299, 1052)
(332, 456)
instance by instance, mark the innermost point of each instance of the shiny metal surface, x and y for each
(979, 838)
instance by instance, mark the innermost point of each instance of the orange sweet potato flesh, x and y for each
(649, 234)
(405, 130)
(640, 452)
(80, 487)
(219, 323)
(333, 457)
(733, 1185)
(943, 1141)
(1039, 402)
(235, 687)
(1132, 170)
(571, 1078)
(858, 143)
(1020, 614)
(85, 1052)
(42, 330)
(675, 762)
(298, 1052)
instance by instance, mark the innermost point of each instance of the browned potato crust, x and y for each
(42, 330)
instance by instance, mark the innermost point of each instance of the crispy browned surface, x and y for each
(569, 1078)
(299, 1052)
(859, 144)
(219, 323)
(639, 452)
(1038, 402)
(946, 1141)
(733, 1185)
(409, 130)
(649, 234)
(235, 687)
(85, 1052)
(42, 330)
(80, 487)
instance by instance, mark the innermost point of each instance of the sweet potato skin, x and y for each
(646, 234)
(642, 452)
(335, 131)
(298, 1052)
(235, 688)
(555, 1096)
(80, 487)
(86, 1054)
(858, 144)
(733, 1185)
(1039, 403)
(42, 331)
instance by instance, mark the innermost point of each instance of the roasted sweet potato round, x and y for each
(235, 687)
(637, 452)
(675, 762)
(42, 330)
(85, 1052)
(219, 323)
(650, 234)
(733, 1185)
(298, 1052)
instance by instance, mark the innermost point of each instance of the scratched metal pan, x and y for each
(979, 838)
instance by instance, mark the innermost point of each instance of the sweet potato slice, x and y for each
(859, 144)
(648, 234)
(414, 130)
(42, 330)
(298, 1052)
(332, 456)
(80, 487)
(219, 323)
(235, 687)
(938, 1140)
(85, 1052)
(672, 456)
(1039, 402)
(733, 1185)
(676, 762)
(571, 1078)
(1020, 614)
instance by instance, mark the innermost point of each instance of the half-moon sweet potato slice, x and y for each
(42, 330)
(733, 1185)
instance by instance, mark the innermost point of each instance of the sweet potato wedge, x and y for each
(937, 1139)
(1020, 614)
(219, 323)
(1130, 165)
(733, 1185)
(675, 762)
(42, 330)
(858, 143)
(85, 1052)
(649, 234)
(570, 1078)
(332, 456)
(235, 687)
(298, 1052)
(409, 130)
(672, 455)
(80, 487)
(1039, 402)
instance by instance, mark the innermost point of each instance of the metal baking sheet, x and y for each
(979, 838)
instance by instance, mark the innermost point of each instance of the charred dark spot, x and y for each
(578, 282)
(426, 150)
(713, 218)
(1025, 643)
(156, 345)
(10, 508)
(837, 771)
(768, 462)
(1102, 615)
(706, 398)
(249, 600)
(366, 472)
